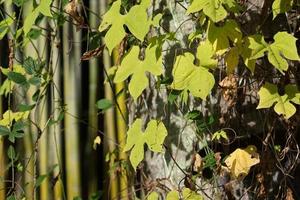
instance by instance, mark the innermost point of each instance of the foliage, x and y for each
(153, 136)
(216, 46)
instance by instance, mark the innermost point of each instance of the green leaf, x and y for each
(232, 59)
(114, 21)
(198, 80)
(16, 77)
(212, 8)
(104, 104)
(173, 195)
(194, 115)
(30, 20)
(11, 152)
(284, 47)
(34, 33)
(205, 54)
(245, 53)
(4, 131)
(153, 136)
(4, 26)
(281, 6)
(173, 96)
(190, 195)
(43, 8)
(40, 180)
(132, 66)
(153, 196)
(269, 95)
(219, 134)
(220, 37)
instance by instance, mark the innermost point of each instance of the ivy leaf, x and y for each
(281, 6)
(153, 136)
(268, 95)
(245, 52)
(190, 195)
(173, 195)
(5, 26)
(197, 79)
(131, 65)
(153, 196)
(16, 77)
(220, 37)
(240, 161)
(284, 47)
(104, 104)
(43, 8)
(114, 21)
(232, 59)
(205, 54)
(219, 134)
(212, 8)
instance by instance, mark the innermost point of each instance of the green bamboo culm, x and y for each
(92, 111)
(55, 135)
(72, 96)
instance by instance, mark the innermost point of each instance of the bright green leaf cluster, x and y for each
(186, 75)
(219, 134)
(153, 136)
(43, 8)
(4, 26)
(220, 37)
(136, 20)
(269, 95)
(132, 66)
(214, 9)
(284, 47)
(281, 6)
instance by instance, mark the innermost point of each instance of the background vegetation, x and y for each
(149, 99)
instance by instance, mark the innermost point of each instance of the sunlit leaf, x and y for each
(232, 59)
(240, 161)
(268, 95)
(220, 36)
(214, 9)
(97, 141)
(281, 6)
(219, 134)
(190, 195)
(283, 47)
(198, 80)
(173, 195)
(153, 196)
(137, 69)
(43, 8)
(205, 54)
(136, 20)
(153, 136)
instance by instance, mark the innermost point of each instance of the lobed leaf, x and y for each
(198, 80)
(153, 136)
(137, 69)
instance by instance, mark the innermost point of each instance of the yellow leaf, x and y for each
(240, 161)
(97, 141)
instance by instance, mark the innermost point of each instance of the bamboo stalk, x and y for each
(93, 117)
(29, 137)
(55, 131)
(109, 119)
(121, 135)
(42, 116)
(72, 96)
